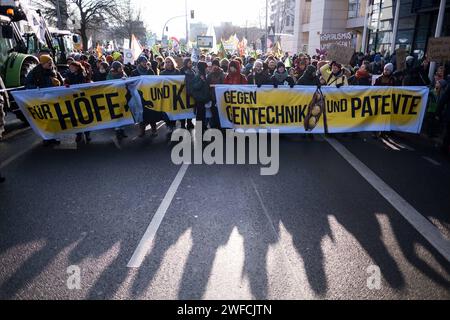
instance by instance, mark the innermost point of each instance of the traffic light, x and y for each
(167, 29)
(192, 14)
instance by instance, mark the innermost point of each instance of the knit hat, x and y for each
(109, 59)
(201, 66)
(389, 67)
(116, 65)
(280, 64)
(43, 59)
(142, 59)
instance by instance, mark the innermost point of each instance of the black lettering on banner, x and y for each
(395, 103)
(82, 100)
(356, 105)
(279, 114)
(32, 111)
(385, 105)
(253, 110)
(239, 97)
(303, 113)
(97, 107)
(112, 106)
(229, 115)
(406, 98)
(235, 116)
(68, 115)
(261, 116)
(366, 107)
(290, 115)
(46, 111)
(177, 97)
(376, 103)
(414, 104)
(270, 118)
(245, 115)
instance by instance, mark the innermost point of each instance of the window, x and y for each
(353, 8)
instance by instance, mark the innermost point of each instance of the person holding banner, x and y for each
(332, 75)
(234, 75)
(387, 78)
(259, 76)
(201, 94)
(115, 73)
(189, 75)
(281, 76)
(44, 75)
(217, 76)
(170, 69)
(143, 68)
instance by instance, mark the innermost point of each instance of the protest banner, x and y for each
(343, 39)
(340, 54)
(439, 49)
(348, 109)
(57, 111)
(53, 112)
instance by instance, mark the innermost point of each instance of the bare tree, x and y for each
(93, 14)
(128, 23)
(50, 8)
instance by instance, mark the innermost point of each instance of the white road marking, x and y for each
(432, 161)
(149, 235)
(19, 154)
(415, 218)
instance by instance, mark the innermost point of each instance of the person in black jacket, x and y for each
(309, 77)
(258, 75)
(443, 114)
(143, 68)
(189, 75)
(281, 76)
(201, 93)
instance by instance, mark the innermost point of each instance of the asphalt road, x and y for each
(312, 231)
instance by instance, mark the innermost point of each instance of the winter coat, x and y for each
(384, 80)
(332, 79)
(282, 79)
(309, 77)
(259, 79)
(361, 78)
(43, 78)
(139, 71)
(235, 77)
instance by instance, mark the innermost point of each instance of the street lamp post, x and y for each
(165, 25)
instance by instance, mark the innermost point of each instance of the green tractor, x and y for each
(15, 63)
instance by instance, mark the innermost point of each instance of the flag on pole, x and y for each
(222, 52)
(136, 48)
(276, 50)
(99, 50)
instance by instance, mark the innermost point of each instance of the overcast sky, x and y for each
(156, 12)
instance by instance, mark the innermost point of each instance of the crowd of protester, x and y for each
(210, 69)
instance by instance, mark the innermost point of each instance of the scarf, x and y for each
(280, 77)
(361, 74)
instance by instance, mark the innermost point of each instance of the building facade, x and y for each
(372, 23)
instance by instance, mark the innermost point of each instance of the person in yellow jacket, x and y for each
(332, 75)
